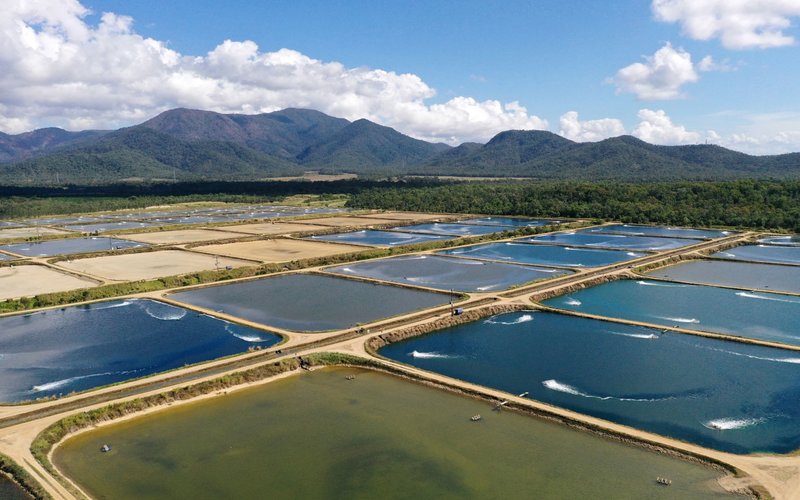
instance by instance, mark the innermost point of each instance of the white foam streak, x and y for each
(573, 302)
(110, 306)
(170, 315)
(680, 320)
(636, 335)
(555, 385)
(764, 297)
(429, 355)
(729, 423)
(57, 384)
(522, 319)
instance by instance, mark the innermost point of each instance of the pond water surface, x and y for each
(719, 394)
(448, 273)
(379, 238)
(69, 246)
(735, 274)
(525, 253)
(81, 347)
(762, 253)
(310, 302)
(321, 436)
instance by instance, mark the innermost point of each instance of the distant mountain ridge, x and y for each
(194, 144)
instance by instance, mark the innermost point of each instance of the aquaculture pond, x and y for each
(735, 274)
(321, 436)
(81, 347)
(548, 255)
(57, 221)
(311, 302)
(104, 227)
(194, 219)
(674, 232)
(9, 490)
(69, 246)
(758, 315)
(641, 243)
(448, 273)
(792, 241)
(453, 229)
(509, 221)
(380, 238)
(6, 257)
(763, 253)
(725, 395)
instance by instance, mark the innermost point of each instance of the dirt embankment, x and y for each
(555, 292)
(384, 339)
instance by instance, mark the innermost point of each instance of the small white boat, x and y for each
(105, 448)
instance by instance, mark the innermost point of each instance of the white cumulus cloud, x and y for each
(57, 69)
(590, 130)
(660, 77)
(656, 127)
(739, 24)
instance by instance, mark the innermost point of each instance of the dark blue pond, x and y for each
(379, 238)
(758, 315)
(546, 255)
(675, 232)
(82, 347)
(310, 302)
(448, 273)
(651, 243)
(70, 246)
(509, 221)
(724, 395)
(453, 229)
(763, 253)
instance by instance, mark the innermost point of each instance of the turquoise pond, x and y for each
(69, 246)
(81, 347)
(546, 255)
(724, 395)
(641, 243)
(447, 273)
(453, 229)
(311, 302)
(762, 315)
(379, 238)
(673, 232)
(509, 221)
(736, 274)
(763, 253)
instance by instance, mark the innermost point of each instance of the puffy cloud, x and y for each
(660, 77)
(739, 24)
(657, 128)
(590, 130)
(59, 70)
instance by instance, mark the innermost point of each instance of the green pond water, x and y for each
(319, 435)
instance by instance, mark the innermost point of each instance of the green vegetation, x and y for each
(748, 203)
(190, 144)
(23, 478)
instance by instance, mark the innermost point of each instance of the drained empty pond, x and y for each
(321, 436)
(548, 255)
(448, 273)
(757, 315)
(77, 348)
(735, 274)
(70, 246)
(310, 302)
(719, 394)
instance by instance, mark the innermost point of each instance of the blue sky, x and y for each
(438, 70)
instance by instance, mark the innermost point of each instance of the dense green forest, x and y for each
(747, 204)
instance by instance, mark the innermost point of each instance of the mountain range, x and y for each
(192, 144)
